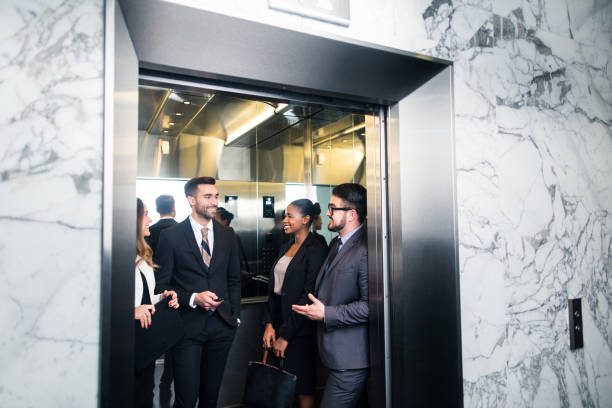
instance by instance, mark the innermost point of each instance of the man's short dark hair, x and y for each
(192, 185)
(225, 215)
(355, 195)
(164, 204)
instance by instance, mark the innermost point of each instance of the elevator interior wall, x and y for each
(263, 154)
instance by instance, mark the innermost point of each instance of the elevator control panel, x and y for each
(575, 323)
(268, 206)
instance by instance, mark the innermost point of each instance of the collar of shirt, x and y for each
(344, 239)
(197, 233)
(168, 217)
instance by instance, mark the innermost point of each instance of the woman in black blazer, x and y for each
(144, 302)
(293, 276)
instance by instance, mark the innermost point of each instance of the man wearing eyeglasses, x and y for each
(340, 302)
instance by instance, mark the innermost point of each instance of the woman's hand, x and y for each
(269, 336)
(173, 298)
(144, 313)
(280, 345)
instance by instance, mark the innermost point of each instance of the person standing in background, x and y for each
(317, 224)
(340, 303)
(225, 217)
(166, 208)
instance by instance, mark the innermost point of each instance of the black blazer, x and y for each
(155, 230)
(321, 239)
(181, 269)
(299, 281)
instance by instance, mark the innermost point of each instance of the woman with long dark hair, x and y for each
(293, 276)
(145, 300)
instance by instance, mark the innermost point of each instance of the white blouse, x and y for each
(279, 273)
(149, 275)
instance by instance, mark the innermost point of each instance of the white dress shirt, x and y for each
(197, 234)
(344, 239)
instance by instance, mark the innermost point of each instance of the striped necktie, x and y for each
(205, 248)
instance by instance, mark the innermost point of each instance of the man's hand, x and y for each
(206, 300)
(314, 311)
(144, 313)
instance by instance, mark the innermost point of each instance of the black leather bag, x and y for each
(163, 334)
(268, 386)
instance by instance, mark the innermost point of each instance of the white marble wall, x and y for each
(533, 96)
(533, 100)
(51, 87)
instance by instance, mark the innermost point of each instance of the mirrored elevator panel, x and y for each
(263, 153)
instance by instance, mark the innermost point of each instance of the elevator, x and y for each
(276, 115)
(263, 154)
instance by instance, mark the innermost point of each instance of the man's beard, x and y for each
(336, 227)
(204, 214)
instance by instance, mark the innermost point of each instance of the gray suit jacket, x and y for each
(343, 289)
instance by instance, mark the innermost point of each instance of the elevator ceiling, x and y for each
(185, 133)
(236, 121)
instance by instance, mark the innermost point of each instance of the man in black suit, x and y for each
(340, 307)
(198, 258)
(167, 211)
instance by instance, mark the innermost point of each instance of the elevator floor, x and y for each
(159, 368)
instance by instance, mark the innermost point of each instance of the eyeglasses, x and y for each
(331, 209)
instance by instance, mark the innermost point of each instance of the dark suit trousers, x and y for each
(199, 363)
(143, 387)
(343, 388)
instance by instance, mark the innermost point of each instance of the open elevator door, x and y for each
(260, 148)
(118, 211)
(234, 52)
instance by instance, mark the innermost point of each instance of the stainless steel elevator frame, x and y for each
(412, 234)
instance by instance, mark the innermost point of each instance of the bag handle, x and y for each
(281, 361)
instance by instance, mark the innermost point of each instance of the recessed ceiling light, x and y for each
(178, 114)
(187, 102)
(165, 131)
(171, 123)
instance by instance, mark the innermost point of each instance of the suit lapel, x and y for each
(344, 250)
(322, 270)
(299, 255)
(217, 244)
(195, 249)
